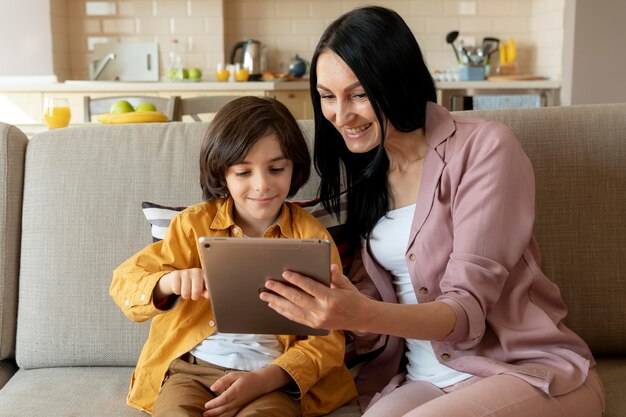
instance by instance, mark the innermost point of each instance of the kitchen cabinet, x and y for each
(451, 94)
(298, 102)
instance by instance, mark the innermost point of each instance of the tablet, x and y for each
(235, 271)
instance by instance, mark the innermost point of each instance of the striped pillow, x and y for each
(160, 216)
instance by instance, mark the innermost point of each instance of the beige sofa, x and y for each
(70, 212)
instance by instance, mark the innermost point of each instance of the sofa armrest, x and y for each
(12, 153)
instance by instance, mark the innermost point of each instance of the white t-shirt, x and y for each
(245, 352)
(388, 242)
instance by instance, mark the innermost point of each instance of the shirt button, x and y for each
(142, 297)
(212, 323)
(411, 257)
(445, 356)
(423, 290)
(127, 302)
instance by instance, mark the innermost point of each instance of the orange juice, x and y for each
(56, 117)
(222, 75)
(241, 73)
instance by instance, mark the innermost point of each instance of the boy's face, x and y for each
(259, 184)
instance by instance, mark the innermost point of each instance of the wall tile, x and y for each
(210, 27)
(273, 27)
(135, 8)
(111, 26)
(211, 8)
(154, 25)
(188, 25)
(171, 8)
(258, 10)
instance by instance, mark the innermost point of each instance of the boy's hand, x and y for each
(238, 388)
(188, 283)
(235, 389)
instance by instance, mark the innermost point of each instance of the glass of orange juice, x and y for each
(241, 73)
(56, 112)
(221, 72)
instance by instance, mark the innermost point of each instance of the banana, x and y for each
(503, 53)
(511, 53)
(133, 117)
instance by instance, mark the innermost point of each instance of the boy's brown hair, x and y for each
(237, 126)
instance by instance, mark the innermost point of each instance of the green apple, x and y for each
(185, 73)
(121, 106)
(144, 106)
(195, 74)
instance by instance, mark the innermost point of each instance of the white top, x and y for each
(245, 352)
(388, 242)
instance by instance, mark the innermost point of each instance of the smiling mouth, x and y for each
(353, 131)
(265, 200)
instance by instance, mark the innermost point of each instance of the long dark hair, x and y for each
(379, 47)
(236, 128)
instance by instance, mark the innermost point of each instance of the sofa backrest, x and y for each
(579, 158)
(82, 217)
(12, 152)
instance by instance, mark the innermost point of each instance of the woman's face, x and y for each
(345, 104)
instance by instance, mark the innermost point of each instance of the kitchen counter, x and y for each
(81, 86)
(105, 86)
(21, 102)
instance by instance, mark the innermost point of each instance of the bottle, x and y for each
(175, 64)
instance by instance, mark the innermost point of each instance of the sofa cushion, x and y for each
(578, 155)
(12, 153)
(89, 182)
(86, 391)
(63, 392)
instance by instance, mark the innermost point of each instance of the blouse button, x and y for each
(411, 257)
(212, 323)
(445, 356)
(423, 290)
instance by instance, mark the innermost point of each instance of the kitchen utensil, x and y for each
(251, 57)
(490, 46)
(450, 38)
(465, 57)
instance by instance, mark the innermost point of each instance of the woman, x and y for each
(454, 310)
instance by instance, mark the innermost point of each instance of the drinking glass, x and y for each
(56, 112)
(221, 72)
(241, 73)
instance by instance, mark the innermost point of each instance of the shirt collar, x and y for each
(224, 219)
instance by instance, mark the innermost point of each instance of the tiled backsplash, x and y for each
(206, 29)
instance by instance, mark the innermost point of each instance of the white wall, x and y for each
(594, 53)
(25, 38)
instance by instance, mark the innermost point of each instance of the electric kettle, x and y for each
(251, 56)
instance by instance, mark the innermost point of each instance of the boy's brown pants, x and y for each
(186, 390)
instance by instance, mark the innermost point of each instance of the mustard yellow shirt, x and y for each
(314, 363)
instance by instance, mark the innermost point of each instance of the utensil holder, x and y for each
(472, 73)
